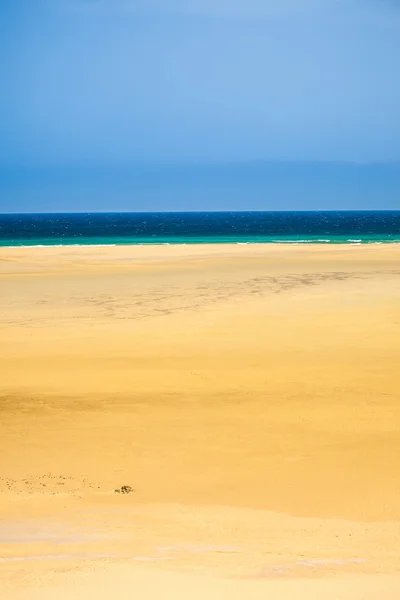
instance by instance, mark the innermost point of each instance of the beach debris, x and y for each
(125, 489)
(47, 484)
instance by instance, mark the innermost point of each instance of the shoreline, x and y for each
(205, 245)
(195, 259)
(321, 242)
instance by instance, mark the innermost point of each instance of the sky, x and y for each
(199, 104)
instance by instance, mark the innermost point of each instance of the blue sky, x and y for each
(91, 88)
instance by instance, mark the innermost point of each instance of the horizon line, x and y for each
(162, 212)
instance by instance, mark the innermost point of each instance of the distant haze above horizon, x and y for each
(199, 105)
(234, 187)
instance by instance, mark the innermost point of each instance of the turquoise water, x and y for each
(345, 227)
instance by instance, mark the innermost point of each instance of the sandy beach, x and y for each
(249, 395)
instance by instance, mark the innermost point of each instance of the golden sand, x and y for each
(248, 393)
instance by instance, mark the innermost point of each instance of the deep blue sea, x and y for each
(343, 227)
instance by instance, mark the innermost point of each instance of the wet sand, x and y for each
(249, 394)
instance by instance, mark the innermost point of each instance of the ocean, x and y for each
(342, 227)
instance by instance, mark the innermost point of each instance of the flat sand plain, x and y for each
(249, 394)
